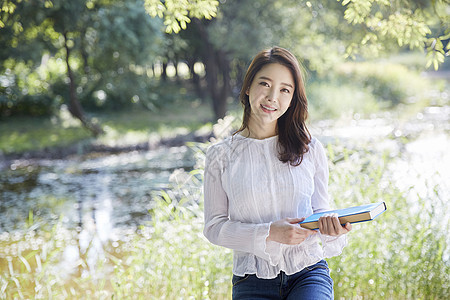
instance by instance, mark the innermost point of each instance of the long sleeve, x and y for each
(332, 246)
(222, 231)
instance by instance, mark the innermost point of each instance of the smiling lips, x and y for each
(268, 109)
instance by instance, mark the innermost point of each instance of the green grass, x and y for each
(25, 134)
(189, 115)
(21, 134)
(404, 253)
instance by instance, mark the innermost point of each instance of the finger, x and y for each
(295, 220)
(323, 222)
(307, 231)
(348, 226)
(337, 227)
(328, 224)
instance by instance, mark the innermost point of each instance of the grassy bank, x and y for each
(22, 134)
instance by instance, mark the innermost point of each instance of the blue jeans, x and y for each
(313, 282)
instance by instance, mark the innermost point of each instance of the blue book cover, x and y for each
(354, 214)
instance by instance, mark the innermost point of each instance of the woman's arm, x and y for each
(222, 231)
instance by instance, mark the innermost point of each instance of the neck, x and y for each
(260, 131)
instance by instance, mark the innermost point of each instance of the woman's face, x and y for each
(270, 93)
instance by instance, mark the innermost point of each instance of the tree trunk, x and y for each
(175, 65)
(84, 53)
(74, 105)
(164, 71)
(224, 65)
(195, 78)
(217, 75)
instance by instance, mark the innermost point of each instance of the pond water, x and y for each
(419, 146)
(105, 191)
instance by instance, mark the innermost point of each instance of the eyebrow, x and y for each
(267, 78)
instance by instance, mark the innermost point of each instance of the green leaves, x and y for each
(357, 11)
(178, 13)
(415, 25)
(6, 9)
(436, 53)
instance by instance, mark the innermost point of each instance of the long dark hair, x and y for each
(293, 136)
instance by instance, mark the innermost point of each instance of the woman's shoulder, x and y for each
(316, 145)
(220, 144)
(315, 142)
(317, 151)
(220, 148)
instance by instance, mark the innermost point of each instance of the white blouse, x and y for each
(246, 188)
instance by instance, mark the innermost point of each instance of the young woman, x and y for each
(265, 179)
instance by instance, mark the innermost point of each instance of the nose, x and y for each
(272, 95)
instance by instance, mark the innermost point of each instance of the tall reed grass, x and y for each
(404, 254)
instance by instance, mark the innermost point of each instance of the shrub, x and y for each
(20, 98)
(392, 83)
(27, 105)
(330, 100)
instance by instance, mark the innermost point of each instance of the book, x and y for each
(355, 214)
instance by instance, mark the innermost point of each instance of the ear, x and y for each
(247, 91)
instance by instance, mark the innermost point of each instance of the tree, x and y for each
(103, 43)
(46, 27)
(419, 24)
(117, 49)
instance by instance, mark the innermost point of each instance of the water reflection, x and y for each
(102, 192)
(424, 170)
(98, 198)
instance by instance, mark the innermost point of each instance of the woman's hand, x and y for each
(329, 224)
(288, 231)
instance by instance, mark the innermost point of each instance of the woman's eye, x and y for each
(285, 91)
(263, 83)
